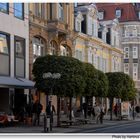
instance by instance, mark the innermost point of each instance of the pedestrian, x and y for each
(93, 112)
(116, 110)
(97, 111)
(37, 108)
(50, 110)
(102, 113)
(89, 109)
(84, 108)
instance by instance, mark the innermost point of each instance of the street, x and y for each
(120, 128)
(108, 126)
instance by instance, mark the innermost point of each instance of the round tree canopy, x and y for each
(71, 81)
(121, 86)
(91, 80)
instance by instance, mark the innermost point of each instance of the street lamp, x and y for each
(47, 76)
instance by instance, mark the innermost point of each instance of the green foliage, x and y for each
(71, 82)
(91, 80)
(121, 86)
(102, 89)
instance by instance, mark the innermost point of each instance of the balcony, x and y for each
(58, 25)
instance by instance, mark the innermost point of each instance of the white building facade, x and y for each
(14, 55)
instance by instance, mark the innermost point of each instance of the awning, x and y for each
(12, 82)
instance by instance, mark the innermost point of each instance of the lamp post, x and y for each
(52, 76)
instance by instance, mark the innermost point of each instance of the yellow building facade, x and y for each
(91, 48)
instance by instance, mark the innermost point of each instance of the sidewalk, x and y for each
(61, 130)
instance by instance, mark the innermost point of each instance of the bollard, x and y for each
(51, 123)
(45, 124)
(48, 123)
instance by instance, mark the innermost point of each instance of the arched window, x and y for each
(54, 47)
(65, 51)
(38, 47)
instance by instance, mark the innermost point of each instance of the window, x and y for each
(126, 68)
(135, 52)
(127, 32)
(4, 7)
(101, 15)
(53, 48)
(19, 57)
(135, 71)
(19, 10)
(64, 50)
(38, 47)
(139, 14)
(126, 52)
(104, 65)
(75, 4)
(20, 47)
(134, 32)
(92, 58)
(79, 54)
(118, 13)
(43, 10)
(92, 29)
(4, 47)
(60, 12)
(98, 62)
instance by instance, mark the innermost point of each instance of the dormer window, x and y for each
(101, 15)
(118, 13)
(78, 19)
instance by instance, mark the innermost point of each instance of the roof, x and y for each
(128, 11)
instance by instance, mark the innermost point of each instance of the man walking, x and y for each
(97, 111)
(50, 110)
(37, 108)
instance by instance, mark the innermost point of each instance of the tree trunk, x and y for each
(58, 111)
(70, 117)
(111, 109)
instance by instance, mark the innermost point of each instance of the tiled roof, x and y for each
(128, 11)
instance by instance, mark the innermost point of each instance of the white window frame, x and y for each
(118, 13)
(126, 68)
(135, 71)
(135, 52)
(78, 55)
(38, 48)
(134, 33)
(126, 52)
(101, 15)
(127, 34)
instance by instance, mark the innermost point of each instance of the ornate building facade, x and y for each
(129, 21)
(51, 32)
(96, 42)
